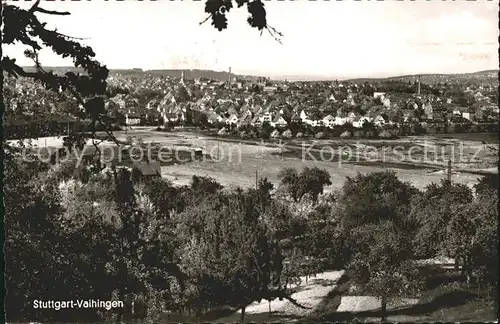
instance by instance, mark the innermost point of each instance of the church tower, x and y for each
(183, 85)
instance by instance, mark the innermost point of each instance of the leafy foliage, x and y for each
(89, 89)
(23, 27)
(376, 197)
(86, 232)
(204, 185)
(228, 251)
(382, 262)
(471, 235)
(218, 9)
(432, 211)
(310, 182)
(486, 183)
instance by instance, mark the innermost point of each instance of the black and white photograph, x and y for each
(250, 161)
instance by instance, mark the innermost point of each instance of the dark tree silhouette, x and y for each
(23, 26)
(217, 10)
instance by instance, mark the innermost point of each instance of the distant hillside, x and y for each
(55, 69)
(481, 76)
(193, 74)
(489, 76)
(188, 74)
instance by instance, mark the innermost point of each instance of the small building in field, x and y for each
(133, 119)
(146, 170)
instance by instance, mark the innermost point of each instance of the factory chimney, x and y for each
(418, 85)
(229, 84)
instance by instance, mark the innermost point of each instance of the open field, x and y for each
(487, 137)
(237, 163)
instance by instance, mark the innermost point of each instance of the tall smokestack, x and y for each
(229, 77)
(418, 85)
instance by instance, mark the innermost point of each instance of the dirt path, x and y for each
(309, 295)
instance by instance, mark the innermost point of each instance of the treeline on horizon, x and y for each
(429, 78)
(174, 73)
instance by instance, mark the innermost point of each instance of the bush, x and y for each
(370, 134)
(275, 134)
(299, 135)
(385, 134)
(287, 134)
(346, 134)
(358, 134)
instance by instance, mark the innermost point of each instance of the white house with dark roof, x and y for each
(339, 120)
(279, 121)
(296, 118)
(350, 117)
(132, 119)
(329, 121)
(266, 117)
(233, 119)
(379, 120)
(256, 121)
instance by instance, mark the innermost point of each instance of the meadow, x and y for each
(235, 162)
(420, 160)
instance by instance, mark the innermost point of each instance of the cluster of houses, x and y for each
(255, 102)
(315, 104)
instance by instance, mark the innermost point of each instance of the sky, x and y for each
(321, 39)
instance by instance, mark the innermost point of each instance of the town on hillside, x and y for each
(241, 106)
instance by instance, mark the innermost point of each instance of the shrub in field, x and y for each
(358, 134)
(320, 135)
(385, 134)
(346, 134)
(275, 134)
(369, 134)
(287, 134)
(310, 182)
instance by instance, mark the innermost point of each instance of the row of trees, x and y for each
(168, 249)
(368, 130)
(193, 249)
